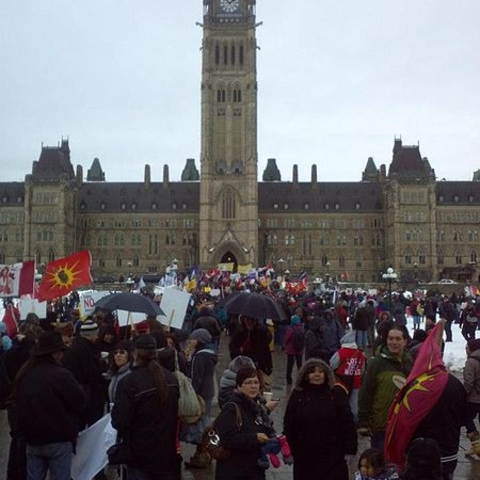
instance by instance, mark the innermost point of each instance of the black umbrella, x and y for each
(130, 302)
(255, 305)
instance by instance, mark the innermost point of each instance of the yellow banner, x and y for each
(244, 269)
(225, 267)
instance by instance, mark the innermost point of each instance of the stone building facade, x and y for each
(400, 216)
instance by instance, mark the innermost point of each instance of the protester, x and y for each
(314, 344)
(121, 366)
(13, 360)
(206, 319)
(145, 415)
(471, 382)
(372, 466)
(332, 332)
(243, 431)
(84, 361)
(348, 364)
(384, 376)
(228, 380)
(294, 345)
(319, 425)
(423, 461)
(362, 318)
(252, 339)
(202, 371)
(48, 401)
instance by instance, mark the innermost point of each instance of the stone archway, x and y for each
(229, 257)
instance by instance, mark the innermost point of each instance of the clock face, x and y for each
(229, 6)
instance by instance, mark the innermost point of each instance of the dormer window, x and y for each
(285, 206)
(174, 206)
(154, 206)
(123, 206)
(326, 206)
(184, 206)
(337, 206)
(275, 206)
(357, 206)
(455, 198)
(103, 206)
(5, 199)
(441, 198)
(134, 206)
(470, 198)
(306, 206)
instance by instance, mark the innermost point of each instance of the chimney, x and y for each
(147, 177)
(165, 176)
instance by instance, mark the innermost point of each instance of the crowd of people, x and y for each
(347, 359)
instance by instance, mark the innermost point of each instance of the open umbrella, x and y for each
(255, 305)
(130, 302)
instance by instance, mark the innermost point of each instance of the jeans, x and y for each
(291, 359)
(56, 457)
(136, 474)
(361, 339)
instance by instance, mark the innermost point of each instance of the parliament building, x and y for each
(397, 215)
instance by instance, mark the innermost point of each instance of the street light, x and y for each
(327, 275)
(390, 276)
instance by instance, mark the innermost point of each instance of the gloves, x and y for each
(364, 432)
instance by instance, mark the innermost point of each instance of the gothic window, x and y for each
(422, 257)
(408, 236)
(324, 260)
(101, 263)
(119, 261)
(228, 205)
(225, 55)
(341, 261)
(408, 259)
(2, 257)
(307, 244)
(341, 240)
(473, 257)
(237, 112)
(232, 54)
(237, 95)
(217, 55)
(241, 55)
(458, 258)
(136, 261)
(440, 258)
(221, 95)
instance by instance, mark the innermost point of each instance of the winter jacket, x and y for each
(144, 423)
(243, 444)
(83, 360)
(361, 319)
(314, 345)
(383, 378)
(332, 332)
(471, 377)
(349, 361)
(202, 370)
(255, 344)
(49, 401)
(289, 347)
(443, 423)
(320, 429)
(112, 386)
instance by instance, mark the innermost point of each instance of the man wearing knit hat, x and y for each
(83, 360)
(471, 382)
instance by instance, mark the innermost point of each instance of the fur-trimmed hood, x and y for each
(301, 381)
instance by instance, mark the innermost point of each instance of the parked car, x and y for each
(447, 281)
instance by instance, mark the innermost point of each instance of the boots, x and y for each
(200, 459)
(474, 438)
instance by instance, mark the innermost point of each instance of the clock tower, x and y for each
(228, 187)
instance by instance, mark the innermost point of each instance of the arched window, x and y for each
(458, 258)
(51, 255)
(341, 261)
(228, 205)
(237, 95)
(232, 54)
(225, 55)
(217, 55)
(440, 258)
(241, 55)
(473, 256)
(221, 95)
(119, 261)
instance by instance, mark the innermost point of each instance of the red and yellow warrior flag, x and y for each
(424, 386)
(64, 275)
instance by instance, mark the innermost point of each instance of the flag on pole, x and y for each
(424, 386)
(17, 279)
(64, 275)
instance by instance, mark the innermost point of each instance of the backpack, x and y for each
(298, 338)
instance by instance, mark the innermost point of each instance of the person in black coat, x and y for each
(145, 414)
(243, 428)
(319, 425)
(84, 361)
(252, 339)
(48, 401)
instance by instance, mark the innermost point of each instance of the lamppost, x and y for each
(390, 276)
(415, 273)
(327, 275)
(130, 280)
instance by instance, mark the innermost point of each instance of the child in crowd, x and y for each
(372, 466)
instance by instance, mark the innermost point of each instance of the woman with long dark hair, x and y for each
(319, 425)
(145, 414)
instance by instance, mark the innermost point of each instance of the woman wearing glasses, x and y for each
(121, 366)
(244, 426)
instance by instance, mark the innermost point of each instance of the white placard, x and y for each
(174, 303)
(129, 318)
(88, 298)
(28, 305)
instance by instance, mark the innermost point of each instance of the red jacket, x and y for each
(352, 362)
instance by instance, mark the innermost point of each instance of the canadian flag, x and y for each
(17, 279)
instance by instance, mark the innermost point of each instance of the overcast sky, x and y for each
(338, 80)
